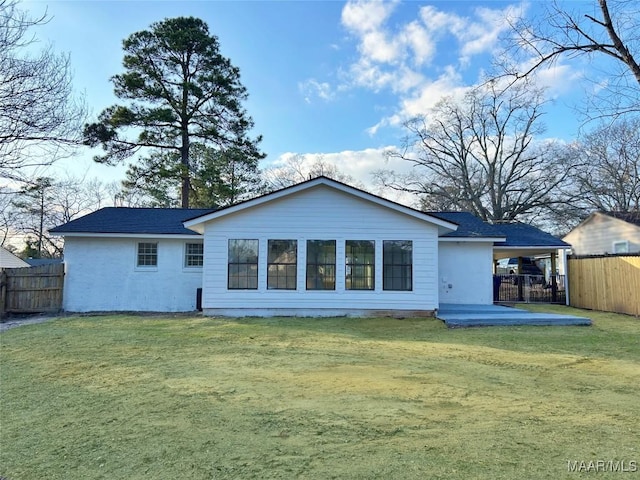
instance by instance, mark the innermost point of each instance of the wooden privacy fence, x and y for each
(606, 283)
(31, 289)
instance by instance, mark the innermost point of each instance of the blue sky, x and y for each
(324, 78)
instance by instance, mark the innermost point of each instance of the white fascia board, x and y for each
(126, 235)
(511, 252)
(472, 239)
(443, 224)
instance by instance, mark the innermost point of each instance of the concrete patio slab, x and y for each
(457, 316)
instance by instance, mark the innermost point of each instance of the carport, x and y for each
(524, 240)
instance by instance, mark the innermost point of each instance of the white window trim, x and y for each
(616, 244)
(191, 268)
(145, 268)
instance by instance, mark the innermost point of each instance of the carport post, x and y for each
(520, 278)
(566, 276)
(554, 283)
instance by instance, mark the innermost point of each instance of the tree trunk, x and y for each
(186, 181)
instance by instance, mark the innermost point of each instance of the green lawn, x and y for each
(132, 397)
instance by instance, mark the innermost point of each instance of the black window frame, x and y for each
(242, 264)
(320, 269)
(395, 266)
(282, 275)
(359, 273)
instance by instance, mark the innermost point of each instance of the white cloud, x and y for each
(360, 165)
(377, 47)
(557, 78)
(416, 37)
(312, 89)
(398, 57)
(437, 21)
(365, 15)
(449, 84)
(483, 35)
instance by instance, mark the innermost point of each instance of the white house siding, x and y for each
(319, 214)
(9, 260)
(465, 275)
(597, 235)
(101, 275)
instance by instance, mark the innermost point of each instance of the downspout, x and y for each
(566, 276)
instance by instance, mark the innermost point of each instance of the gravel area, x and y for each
(12, 322)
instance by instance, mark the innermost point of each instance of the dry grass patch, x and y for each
(165, 398)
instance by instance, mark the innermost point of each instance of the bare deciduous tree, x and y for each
(299, 168)
(48, 202)
(610, 179)
(7, 215)
(40, 119)
(609, 30)
(480, 155)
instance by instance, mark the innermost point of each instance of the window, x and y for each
(321, 264)
(147, 254)
(243, 265)
(621, 246)
(397, 264)
(360, 264)
(194, 255)
(282, 264)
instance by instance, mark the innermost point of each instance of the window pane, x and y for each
(243, 251)
(194, 255)
(243, 265)
(360, 264)
(397, 259)
(147, 254)
(321, 264)
(282, 264)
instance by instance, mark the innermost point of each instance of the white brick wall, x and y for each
(101, 275)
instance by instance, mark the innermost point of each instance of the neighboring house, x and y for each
(606, 233)
(39, 262)
(9, 260)
(316, 248)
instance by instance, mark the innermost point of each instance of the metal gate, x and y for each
(528, 289)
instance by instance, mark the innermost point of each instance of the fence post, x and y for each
(3, 293)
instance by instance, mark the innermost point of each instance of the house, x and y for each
(131, 259)
(9, 260)
(606, 233)
(317, 248)
(39, 262)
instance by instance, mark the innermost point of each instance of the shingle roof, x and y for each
(523, 235)
(468, 225)
(517, 234)
(630, 217)
(169, 221)
(164, 221)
